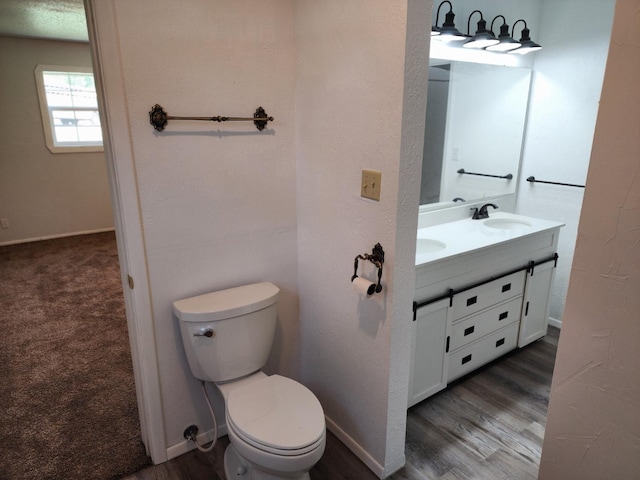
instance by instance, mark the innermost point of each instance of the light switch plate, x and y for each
(370, 186)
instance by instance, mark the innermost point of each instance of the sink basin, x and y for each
(428, 245)
(506, 223)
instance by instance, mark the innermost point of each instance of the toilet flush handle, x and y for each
(205, 332)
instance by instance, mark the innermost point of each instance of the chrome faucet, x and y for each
(479, 214)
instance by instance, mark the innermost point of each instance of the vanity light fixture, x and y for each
(448, 31)
(527, 45)
(483, 37)
(506, 41)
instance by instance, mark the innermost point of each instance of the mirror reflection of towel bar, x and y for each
(508, 176)
(532, 179)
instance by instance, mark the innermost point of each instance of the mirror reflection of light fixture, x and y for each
(527, 45)
(448, 31)
(506, 41)
(483, 37)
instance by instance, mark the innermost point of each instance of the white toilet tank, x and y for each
(228, 334)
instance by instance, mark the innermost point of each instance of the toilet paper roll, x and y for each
(363, 286)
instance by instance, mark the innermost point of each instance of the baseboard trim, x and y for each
(61, 235)
(355, 447)
(554, 322)
(394, 468)
(203, 439)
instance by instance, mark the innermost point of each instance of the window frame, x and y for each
(48, 120)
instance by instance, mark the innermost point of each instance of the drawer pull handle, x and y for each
(472, 300)
(469, 331)
(466, 359)
(503, 315)
(506, 288)
(500, 342)
(447, 349)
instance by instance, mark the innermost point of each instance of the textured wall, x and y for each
(566, 87)
(349, 98)
(218, 201)
(594, 411)
(43, 194)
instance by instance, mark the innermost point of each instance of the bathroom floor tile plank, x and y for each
(508, 466)
(503, 426)
(508, 396)
(469, 423)
(532, 368)
(199, 467)
(456, 474)
(507, 416)
(434, 451)
(339, 463)
(410, 472)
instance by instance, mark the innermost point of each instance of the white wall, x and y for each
(43, 194)
(349, 104)
(594, 410)
(218, 201)
(565, 91)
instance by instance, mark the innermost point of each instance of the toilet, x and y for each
(276, 426)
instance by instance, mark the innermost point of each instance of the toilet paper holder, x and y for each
(377, 258)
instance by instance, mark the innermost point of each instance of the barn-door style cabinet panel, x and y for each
(475, 305)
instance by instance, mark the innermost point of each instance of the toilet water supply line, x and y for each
(215, 426)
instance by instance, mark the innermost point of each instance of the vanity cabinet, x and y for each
(429, 360)
(474, 307)
(535, 308)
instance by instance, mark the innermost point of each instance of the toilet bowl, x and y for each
(276, 425)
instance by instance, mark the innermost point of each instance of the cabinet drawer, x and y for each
(483, 296)
(476, 326)
(482, 351)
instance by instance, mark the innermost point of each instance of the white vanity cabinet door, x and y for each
(535, 309)
(428, 372)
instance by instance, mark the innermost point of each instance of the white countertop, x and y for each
(461, 236)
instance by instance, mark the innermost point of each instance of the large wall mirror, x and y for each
(474, 122)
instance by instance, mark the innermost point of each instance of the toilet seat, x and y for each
(277, 415)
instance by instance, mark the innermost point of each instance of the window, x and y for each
(69, 108)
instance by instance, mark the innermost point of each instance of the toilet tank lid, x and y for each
(227, 303)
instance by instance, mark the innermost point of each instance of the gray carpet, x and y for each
(67, 398)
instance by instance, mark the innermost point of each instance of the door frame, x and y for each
(121, 169)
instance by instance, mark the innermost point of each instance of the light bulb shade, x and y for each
(526, 44)
(448, 31)
(506, 42)
(483, 38)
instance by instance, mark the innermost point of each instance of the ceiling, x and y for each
(52, 19)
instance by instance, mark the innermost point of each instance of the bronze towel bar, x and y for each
(533, 179)
(508, 176)
(158, 118)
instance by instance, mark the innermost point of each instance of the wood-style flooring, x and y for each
(488, 425)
